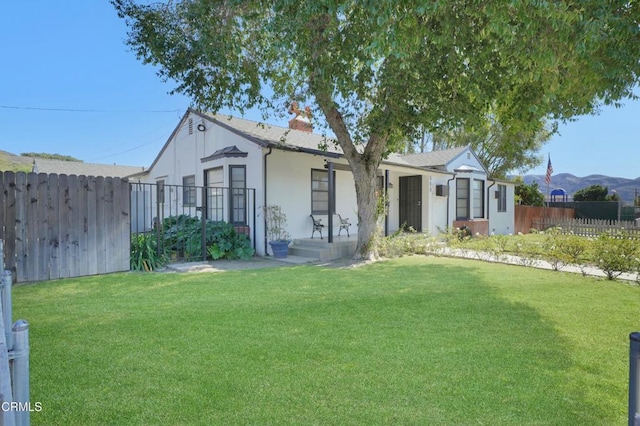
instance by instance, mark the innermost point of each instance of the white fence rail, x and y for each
(589, 227)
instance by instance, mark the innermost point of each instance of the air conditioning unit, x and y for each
(442, 190)
(497, 194)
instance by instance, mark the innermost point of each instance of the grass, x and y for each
(418, 340)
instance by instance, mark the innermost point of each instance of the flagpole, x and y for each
(547, 179)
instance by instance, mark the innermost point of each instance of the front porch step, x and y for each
(321, 249)
(315, 253)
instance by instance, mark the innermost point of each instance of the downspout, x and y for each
(488, 201)
(386, 200)
(332, 192)
(449, 197)
(264, 205)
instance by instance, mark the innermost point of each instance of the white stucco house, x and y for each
(229, 168)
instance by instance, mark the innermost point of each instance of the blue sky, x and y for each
(69, 85)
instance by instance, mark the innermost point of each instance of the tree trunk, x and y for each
(364, 165)
(365, 176)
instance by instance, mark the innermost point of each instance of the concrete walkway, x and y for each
(291, 260)
(237, 265)
(533, 263)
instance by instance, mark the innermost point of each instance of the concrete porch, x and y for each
(320, 249)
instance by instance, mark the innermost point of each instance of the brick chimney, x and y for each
(302, 120)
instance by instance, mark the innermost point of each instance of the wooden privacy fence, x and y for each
(59, 226)
(528, 217)
(590, 227)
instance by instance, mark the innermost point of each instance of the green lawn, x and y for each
(418, 340)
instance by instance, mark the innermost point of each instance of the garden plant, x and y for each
(182, 235)
(615, 253)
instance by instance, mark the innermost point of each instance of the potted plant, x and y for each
(277, 234)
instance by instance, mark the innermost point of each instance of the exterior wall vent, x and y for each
(191, 126)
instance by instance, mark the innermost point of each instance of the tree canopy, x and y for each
(379, 72)
(528, 195)
(591, 193)
(499, 148)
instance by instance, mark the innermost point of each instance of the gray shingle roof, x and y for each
(48, 166)
(266, 135)
(434, 159)
(270, 135)
(285, 138)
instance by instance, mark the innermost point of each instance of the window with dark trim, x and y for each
(189, 191)
(238, 189)
(478, 198)
(215, 194)
(462, 198)
(502, 198)
(320, 192)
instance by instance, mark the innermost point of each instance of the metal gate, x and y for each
(177, 215)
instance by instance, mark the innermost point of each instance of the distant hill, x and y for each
(14, 163)
(626, 188)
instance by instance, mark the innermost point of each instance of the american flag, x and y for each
(547, 178)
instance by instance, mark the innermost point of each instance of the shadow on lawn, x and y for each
(410, 341)
(486, 359)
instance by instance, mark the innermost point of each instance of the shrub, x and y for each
(563, 249)
(454, 236)
(403, 243)
(526, 251)
(224, 242)
(553, 248)
(183, 234)
(615, 254)
(482, 246)
(144, 253)
(497, 246)
(575, 249)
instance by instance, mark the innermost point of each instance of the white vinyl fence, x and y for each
(589, 227)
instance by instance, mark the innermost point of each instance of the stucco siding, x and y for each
(438, 207)
(502, 223)
(289, 186)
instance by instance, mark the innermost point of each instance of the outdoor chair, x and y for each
(344, 224)
(317, 226)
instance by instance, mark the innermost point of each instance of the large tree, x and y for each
(500, 148)
(379, 71)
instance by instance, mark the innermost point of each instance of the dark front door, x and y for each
(411, 202)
